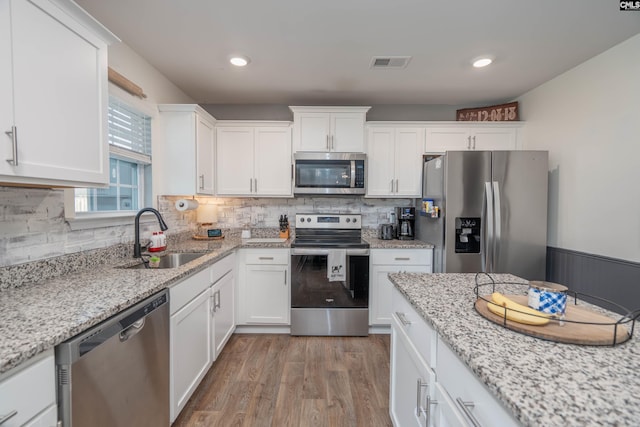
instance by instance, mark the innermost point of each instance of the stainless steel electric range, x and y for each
(330, 276)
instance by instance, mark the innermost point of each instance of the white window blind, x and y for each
(128, 128)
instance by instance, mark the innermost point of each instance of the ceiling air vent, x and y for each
(389, 62)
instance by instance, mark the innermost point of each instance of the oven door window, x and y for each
(325, 174)
(310, 287)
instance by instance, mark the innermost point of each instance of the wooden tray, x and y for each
(599, 330)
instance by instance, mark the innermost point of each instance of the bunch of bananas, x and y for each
(516, 312)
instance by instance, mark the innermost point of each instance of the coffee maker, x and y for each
(406, 222)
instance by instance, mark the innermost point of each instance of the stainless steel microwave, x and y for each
(329, 173)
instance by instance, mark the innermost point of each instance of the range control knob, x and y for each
(301, 219)
(355, 220)
(348, 219)
(308, 219)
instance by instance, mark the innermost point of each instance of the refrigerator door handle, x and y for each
(488, 221)
(498, 223)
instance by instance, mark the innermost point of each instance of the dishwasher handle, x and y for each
(131, 330)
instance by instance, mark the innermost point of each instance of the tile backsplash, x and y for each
(33, 225)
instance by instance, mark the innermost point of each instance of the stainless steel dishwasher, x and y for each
(116, 374)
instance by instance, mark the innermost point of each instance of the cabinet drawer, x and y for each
(401, 257)
(29, 391)
(421, 334)
(463, 386)
(183, 292)
(222, 267)
(267, 257)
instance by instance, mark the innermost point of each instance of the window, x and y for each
(129, 164)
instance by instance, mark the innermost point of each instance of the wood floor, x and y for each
(279, 380)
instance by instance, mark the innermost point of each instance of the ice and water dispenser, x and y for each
(467, 235)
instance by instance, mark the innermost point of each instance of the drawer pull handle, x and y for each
(466, 408)
(403, 319)
(266, 258)
(13, 133)
(402, 258)
(5, 418)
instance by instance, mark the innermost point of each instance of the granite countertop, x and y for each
(37, 316)
(543, 383)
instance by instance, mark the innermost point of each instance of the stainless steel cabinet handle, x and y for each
(213, 303)
(402, 259)
(250, 185)
(5, 418)
(466, 408)
(392, 186)
(474, 142)
(469, 142)
(396, 185)
(217, 304)
(403, 318)
(202, 182)
(333, 144)
(255, 185)
(13, 133)
(266, 258)
(328, 146)
(420, 409)
(285, 278)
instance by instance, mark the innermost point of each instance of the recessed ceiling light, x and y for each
(239, 60)
(482, 61)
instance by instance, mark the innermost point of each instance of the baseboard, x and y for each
(379, 329)
(263, 329)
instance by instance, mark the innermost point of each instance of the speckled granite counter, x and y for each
(543, 383)
(37, 316)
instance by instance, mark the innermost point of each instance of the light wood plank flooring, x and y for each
(279, 380)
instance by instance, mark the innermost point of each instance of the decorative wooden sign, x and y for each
(495, 113)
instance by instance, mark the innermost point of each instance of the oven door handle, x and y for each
(317, 251)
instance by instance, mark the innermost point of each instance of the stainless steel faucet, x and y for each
(137, 249)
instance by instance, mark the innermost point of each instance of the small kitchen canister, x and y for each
(550, 298)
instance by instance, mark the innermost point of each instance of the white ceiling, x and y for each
(318, 52)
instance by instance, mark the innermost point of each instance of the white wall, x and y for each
(589, 120)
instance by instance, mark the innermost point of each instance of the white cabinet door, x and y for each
(409, 143)
(347, 132)
(380, 162)
(29, 390)
(465, 389)
(223, 312)
(381, 290)
(495, 139)
(412, 383)
(439, 140)
(324, 129)
(234, 161)
(204, 155)
(47, 418)
(190, 349)
(273, 171)
(6, 85)
(394, 161)
(313, 131)
(266, 296)
(59, 93)
(186, 160)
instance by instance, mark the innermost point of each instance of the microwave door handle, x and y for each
(353, 174)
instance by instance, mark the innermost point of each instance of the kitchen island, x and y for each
(541, 383)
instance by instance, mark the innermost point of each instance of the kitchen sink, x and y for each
(173, 260)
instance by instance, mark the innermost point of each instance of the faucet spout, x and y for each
(137, 250)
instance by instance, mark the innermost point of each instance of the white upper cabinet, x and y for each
(53, 95)
(394, 161)
(472, 136)
(185, 161)
(253, 159)
(329, 129)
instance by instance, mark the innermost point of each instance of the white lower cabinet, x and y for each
(454, 396)
(263, 287)
(383, 262)
(29, 393)
(223, 303)
(202, 320)
(412, 381)
(468, 396)
(190, 347)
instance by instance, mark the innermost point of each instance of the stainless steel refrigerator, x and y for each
(491, 212)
